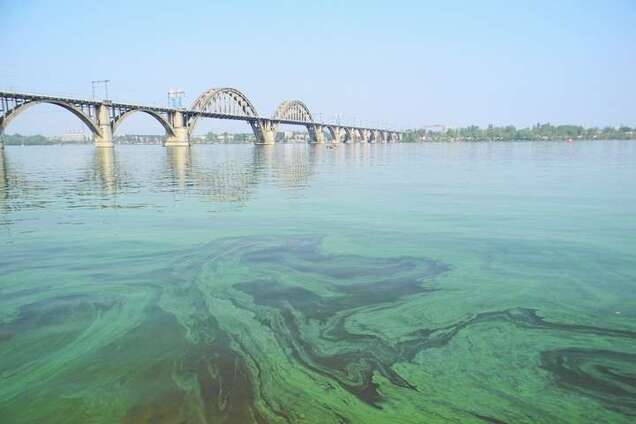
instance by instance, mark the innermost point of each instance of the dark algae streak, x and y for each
(212, 373)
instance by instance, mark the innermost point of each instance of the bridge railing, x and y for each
(61, 94)
(80, 98)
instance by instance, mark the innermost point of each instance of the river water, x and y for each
(430, 283)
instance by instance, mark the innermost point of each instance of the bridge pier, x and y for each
(337, 134)
(354, 135)
(365, 136)
(376, 136)
(2, 126)
(105, 136)
(265, 132)
(180, 138)
(347, 136)
(316, 134)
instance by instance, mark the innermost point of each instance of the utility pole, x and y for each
(175, 98)
(100, 82)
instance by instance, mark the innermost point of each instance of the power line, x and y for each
(100, 82)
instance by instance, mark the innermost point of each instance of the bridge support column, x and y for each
(337, 134)
(354, 136)
(265, 132)
(2, 126)
(366, 134)
(348, 136)
(316, 135)
(105, 136)
(376, 136)
(180, 138)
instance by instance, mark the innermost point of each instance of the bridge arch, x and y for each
(223, 101)
(166, 125)
(351, 135)
(293, 110)
(329, 133)
(12, 114)
(332, 132)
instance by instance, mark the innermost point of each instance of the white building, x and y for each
(74, 137)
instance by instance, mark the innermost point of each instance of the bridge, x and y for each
(104, 117)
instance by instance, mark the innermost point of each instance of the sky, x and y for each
(400, 63)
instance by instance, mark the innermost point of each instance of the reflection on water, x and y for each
(226, 177)
(4, 183)
(485, 283)
(105, 172)
(180, 165)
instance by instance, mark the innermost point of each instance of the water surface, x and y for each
(439, 283)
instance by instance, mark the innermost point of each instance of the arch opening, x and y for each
(13, 113)
(169, 131)
(350, 135)
(328, 134)
(222, 131)
(290, 134)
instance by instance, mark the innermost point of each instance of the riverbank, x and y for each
(539, 132)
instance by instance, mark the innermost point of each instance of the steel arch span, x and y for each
(222, 101)
(293, 110)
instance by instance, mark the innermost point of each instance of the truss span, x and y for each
(293, 110)
(222, 101)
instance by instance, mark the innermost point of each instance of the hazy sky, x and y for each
(407, 63)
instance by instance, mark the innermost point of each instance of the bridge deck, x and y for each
(190, 112)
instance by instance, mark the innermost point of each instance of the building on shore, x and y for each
(74, 137)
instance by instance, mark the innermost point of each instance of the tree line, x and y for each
(538, 132)
(26, 140)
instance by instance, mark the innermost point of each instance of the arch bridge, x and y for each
(104, 117)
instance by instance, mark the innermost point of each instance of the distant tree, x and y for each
(17, 139)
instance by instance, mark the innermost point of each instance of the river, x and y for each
(397, 283)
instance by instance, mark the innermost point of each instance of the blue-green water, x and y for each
(465, 282)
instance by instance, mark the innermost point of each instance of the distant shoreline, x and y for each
(538, 132)
(403, 142)
(435, 134)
